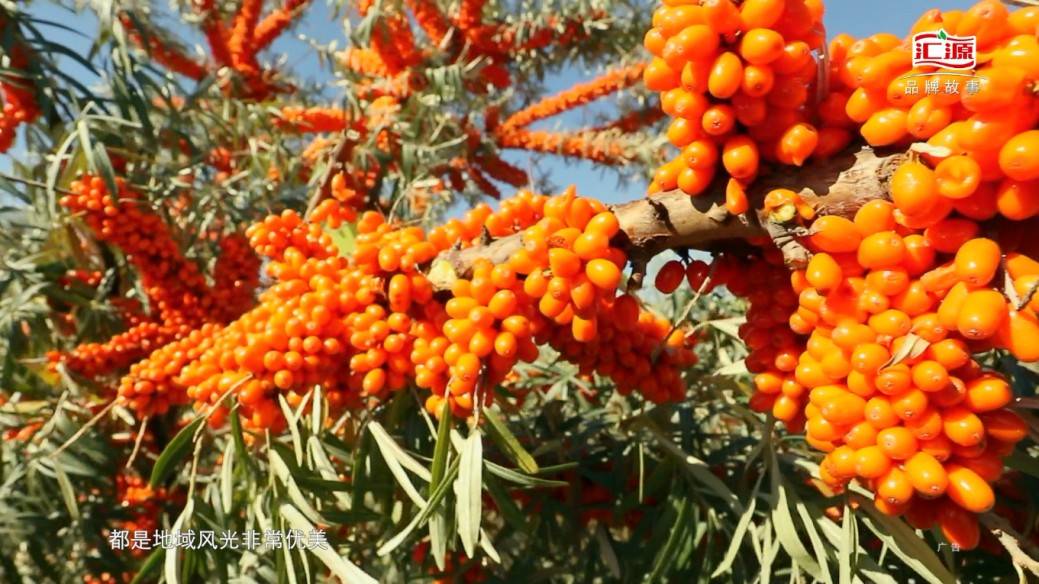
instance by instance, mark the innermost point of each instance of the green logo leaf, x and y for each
(942, 35)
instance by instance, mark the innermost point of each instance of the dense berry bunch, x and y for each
(986, 161)
(179, 298)
(149, 387)
(739, 82)
(871, 346)
(896, 398)
(366, 325)
(19, 93)
(175, 287)
(774, 348)
(144, 504)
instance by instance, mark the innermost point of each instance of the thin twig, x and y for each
(1027, 403)
(79, 433)
(425, 414)
(137, 442)
(335, 164)
(33, 183)
(1013, 542)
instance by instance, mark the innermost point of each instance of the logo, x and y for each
(938, 49)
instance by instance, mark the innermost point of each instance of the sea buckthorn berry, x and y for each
(977, 261)
(988, 393)
(957, 177)
(913, 188)
(927, 475)
(982, 313)
(761, 46)
(962, 426)
(930, 376)
(968, 490)
(895, 487)
(880, 250)
(871, 462)
(726, 75)
(670, 277)
(1019, 333)
(834, 234)
(1019, 157)
(823, 272)
(897, 443)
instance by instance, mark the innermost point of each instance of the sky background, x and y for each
(320, 26)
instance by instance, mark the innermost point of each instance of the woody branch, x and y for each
(674, 220)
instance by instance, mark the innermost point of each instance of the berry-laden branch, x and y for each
(674, 220)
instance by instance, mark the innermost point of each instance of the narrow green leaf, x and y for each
(173, 453)
(664, 558)
(281, 470)
(67, 492)
(341, 567)
(863, 564)
(786, 528)
(468, 487)
(438, 536)
(849, 547)
(519, 478)
(505, 504)
(292, 423)
(696, 468)
(427, 511)
(227, 477)
(442, 447)
(170, 562)
(405, 459)
(906, 544)
(317, 417)
(739, 533)
(488, 547)
(508, 442)
(813, 537)
(150, 565)
(104, 166)
(395, 458)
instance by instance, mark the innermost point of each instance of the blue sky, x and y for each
(856, 17)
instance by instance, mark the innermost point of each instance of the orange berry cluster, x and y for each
(88, 278)
(233, 44)
(93, 360)
(895, 397)
(235, 278)
(983, 125)
(144, 503)
(294, 337)
(309, 120)
(889, 311)
(19, 99)
(174, 285)
(738, 81)
(150, 387)
(774, 348)
(366, 325)
(558, 288)
(179, 297)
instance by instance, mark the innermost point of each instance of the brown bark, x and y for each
(674, 220)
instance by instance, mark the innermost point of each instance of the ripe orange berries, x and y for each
(914, 189)
(977, 261)
(716, 67)
(670, 277)
(1019, 157)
